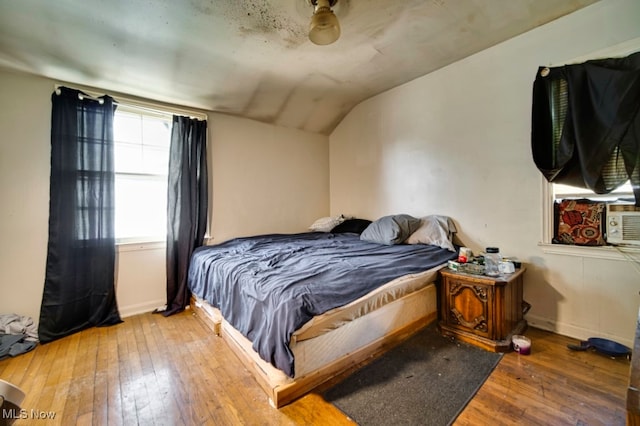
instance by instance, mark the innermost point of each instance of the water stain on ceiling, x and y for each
(253, 58)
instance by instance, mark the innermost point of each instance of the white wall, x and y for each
(457, 142)
(264, 179)
(25, 117)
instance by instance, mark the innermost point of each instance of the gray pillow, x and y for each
(390, 230)
(435, 230)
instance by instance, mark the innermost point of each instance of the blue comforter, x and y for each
(268, 286)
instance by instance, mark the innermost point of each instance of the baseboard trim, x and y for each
(573, 331)
(140, 308)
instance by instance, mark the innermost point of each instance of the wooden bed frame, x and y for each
(391, 324)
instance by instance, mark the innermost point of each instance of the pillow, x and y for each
(326, 224)
(579, 222)
(435, 230)
(390, 230)
(355, 226)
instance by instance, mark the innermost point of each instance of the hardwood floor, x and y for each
(152, 370)
(552, 386)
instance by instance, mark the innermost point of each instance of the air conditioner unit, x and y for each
(623, 224)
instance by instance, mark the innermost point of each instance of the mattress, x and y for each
(379, 297)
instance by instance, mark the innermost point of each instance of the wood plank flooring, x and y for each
(152, 370)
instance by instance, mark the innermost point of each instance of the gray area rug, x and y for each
(427, 380)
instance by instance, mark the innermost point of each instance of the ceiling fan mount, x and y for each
(315, 2)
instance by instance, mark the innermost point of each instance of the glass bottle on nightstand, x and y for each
(492, 260)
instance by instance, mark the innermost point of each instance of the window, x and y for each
(558, 192)
(622, 193)
(552, 192)
(555, 192)
(613, 172)
(141, 151)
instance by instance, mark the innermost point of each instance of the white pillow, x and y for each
(326, 224)
(435, 230)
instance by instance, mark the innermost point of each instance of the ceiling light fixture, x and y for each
(324, 27)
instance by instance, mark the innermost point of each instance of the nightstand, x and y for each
(481, 310)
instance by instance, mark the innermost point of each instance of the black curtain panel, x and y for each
(187, 203)
(586, 124)
(79, 288)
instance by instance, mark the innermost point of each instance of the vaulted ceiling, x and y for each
(253, 58)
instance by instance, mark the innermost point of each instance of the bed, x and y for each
(298, 309)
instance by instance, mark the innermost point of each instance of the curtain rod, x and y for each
(136, 104)
(82, 96)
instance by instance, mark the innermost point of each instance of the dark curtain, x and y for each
(79, 288)
(187, 204)
(597, 142)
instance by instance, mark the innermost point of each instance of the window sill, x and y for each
(601, 252)
(140, 245)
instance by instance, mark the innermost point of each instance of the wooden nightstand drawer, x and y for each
(470, 306)
(485, 311)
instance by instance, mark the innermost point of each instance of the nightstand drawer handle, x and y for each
(525, 307)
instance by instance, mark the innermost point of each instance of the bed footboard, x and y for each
(210, 315)
(355, 342)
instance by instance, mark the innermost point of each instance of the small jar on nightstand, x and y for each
(492, 261)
